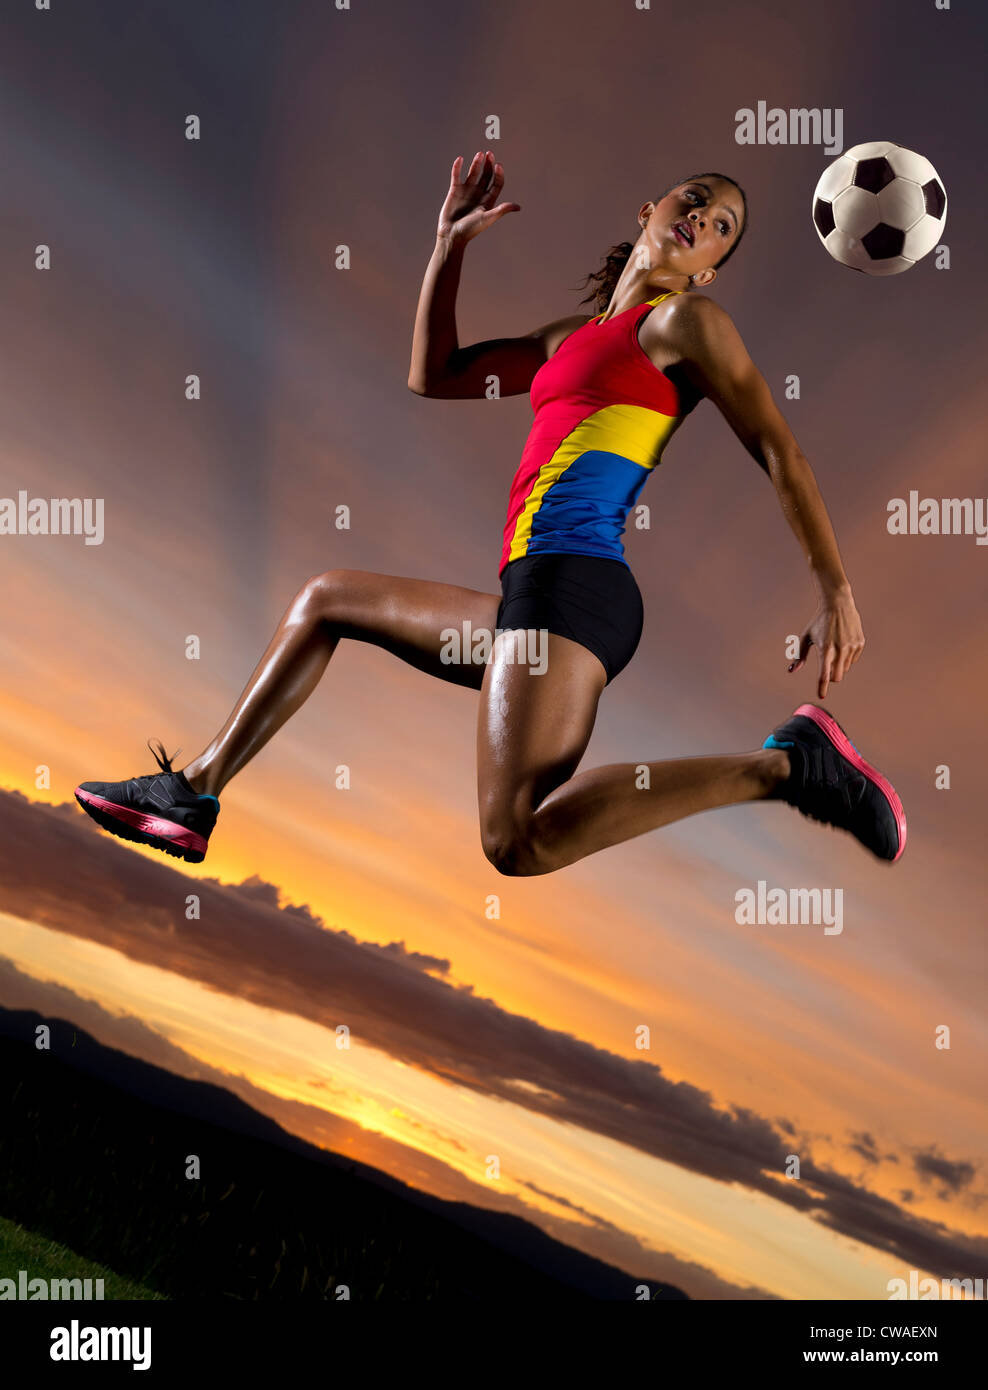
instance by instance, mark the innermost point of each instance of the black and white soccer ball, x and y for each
(879, 208)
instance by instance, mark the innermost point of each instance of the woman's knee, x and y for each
(512, 846)
(323, 596)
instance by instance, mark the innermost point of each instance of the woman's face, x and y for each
(694, 225)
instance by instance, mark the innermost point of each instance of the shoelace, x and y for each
(161, 757)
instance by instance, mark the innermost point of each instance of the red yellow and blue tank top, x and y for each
(603, 413)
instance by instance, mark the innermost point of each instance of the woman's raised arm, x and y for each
(439, 366)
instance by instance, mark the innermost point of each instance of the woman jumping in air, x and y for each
(608, 393)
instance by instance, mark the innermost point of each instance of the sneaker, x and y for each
(832, 783)
(160, 810)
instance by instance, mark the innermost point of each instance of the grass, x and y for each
(42, 1258)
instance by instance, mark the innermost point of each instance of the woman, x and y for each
(608, 393)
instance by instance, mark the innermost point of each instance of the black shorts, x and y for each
(591, 599)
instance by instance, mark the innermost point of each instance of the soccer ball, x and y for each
(879, 208)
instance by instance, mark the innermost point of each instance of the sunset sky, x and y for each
(516, 1034)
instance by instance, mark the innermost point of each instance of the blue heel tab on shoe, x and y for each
(204, 796)
(773, 742)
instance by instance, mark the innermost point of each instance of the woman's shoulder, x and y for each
(683, 329)
(694, 307)
(689, 321)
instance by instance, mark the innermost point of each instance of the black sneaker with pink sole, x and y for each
(831, 782)
(160, 809)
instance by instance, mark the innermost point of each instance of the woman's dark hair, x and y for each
(604, 280)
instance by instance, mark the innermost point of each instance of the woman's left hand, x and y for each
(837, 634)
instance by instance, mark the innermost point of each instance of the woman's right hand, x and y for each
(470, 205)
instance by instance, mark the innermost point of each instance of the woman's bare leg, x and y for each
(404, 616)
(535, 814)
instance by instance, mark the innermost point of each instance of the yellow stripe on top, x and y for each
(657, 300)
(634, 432)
